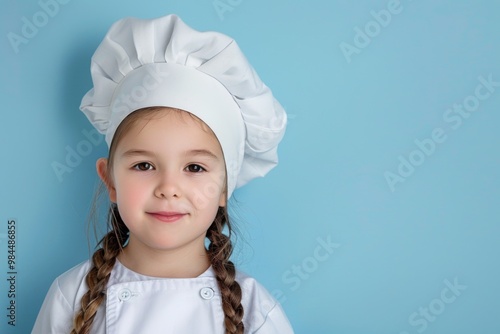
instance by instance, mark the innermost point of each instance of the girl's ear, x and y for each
(222, 200)
(102, 171)
(223, 195)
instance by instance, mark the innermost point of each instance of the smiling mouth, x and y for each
(167, 217)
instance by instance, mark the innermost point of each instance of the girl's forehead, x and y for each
(170, 128)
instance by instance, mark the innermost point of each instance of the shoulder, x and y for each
(76, 272)
(71, 284)
(61, 301)
(262, 312)
(254, 292)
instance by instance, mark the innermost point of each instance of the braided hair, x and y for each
(97, 278)
(219, 250)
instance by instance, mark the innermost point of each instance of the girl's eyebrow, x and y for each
(135, 152)
(202, 152)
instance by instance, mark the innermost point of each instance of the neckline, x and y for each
(122, 269)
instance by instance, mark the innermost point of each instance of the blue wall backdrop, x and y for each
(384, 213)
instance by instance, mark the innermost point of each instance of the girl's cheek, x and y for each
(205, 195)
(131, 190)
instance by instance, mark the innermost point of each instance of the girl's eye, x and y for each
(193, 168)
(143, 166)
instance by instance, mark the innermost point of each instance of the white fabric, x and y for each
(163, 62)
(147, 305)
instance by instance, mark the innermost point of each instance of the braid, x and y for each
(97, 279)
(219, 250)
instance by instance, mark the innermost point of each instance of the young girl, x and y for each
(187, 121)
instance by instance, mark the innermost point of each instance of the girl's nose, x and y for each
(168, 186)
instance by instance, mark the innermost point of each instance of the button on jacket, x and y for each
(148, 305)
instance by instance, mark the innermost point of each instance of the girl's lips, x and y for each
(167, 217)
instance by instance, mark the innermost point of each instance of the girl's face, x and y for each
(168, 180)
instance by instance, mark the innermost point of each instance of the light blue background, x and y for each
(349, 123)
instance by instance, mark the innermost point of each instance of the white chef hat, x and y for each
(164, 62)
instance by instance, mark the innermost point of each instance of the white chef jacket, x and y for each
(139, 304)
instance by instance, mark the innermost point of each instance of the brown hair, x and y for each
(103, 260)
